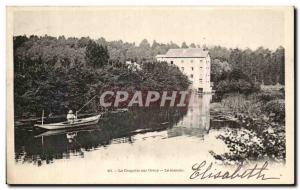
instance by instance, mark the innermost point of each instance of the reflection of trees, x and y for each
(197, 120)
(114, 128)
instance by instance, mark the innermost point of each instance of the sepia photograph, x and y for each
(150, 95)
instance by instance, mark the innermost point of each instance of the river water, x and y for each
(157, 140)
(189, 129)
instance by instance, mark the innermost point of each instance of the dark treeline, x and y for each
(261, 65)
(57, 74)
(68, 71)
(236, 70)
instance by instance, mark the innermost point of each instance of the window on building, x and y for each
(200, 67)
(201, 60)
(192, 68)
(192, 61)
(192, 76)
(172, 62)
(182, 61)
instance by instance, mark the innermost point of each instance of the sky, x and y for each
(230, 27)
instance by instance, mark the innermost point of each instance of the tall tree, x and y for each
(192, 45)
(183, 45)
(96, 55)
(145, 44)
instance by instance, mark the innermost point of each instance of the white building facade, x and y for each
(193, 62)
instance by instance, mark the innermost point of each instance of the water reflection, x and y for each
(40, 147)
(197, 120)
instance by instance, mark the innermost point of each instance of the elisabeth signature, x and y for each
(207, 171)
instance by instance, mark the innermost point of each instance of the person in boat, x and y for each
(71, 117)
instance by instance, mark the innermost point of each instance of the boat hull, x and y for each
(68, 125)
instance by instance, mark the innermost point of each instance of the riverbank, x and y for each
(261, 120)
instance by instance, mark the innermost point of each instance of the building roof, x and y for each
(186, 52)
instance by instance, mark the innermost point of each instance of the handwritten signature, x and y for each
(206, 171)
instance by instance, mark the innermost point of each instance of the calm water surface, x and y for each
(156, 130)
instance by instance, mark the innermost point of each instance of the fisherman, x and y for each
(70, 116)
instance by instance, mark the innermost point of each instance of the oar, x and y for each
(85, 105)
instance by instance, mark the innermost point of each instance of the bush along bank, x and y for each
(261, 132)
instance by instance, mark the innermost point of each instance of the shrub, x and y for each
(244, 144)
(240, 85)
(276, 107)
(270, 95)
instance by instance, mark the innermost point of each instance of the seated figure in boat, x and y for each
(71, 117)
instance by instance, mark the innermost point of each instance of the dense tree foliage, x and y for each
(261, 65)
(57, 74)
(96, 54)
(219, 69)
(49, 68)
(236, 81)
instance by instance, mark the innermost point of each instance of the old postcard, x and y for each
(150, 95)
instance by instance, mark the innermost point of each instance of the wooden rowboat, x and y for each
(67, 125)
